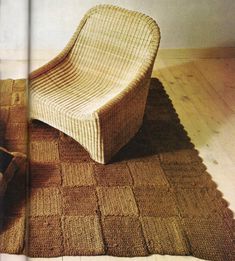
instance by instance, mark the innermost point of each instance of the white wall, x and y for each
(183, 23)
(13, 28)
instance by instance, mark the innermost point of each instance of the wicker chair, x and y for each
(95, 90)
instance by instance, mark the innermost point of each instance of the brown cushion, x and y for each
(10, 162)
(5, 159)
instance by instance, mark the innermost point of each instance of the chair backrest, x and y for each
(111, 40)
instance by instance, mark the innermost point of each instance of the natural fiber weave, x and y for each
(155, 197)
(95, 90)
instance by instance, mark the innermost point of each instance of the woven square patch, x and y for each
(16, 131)
(40, 131)
(44, 151)
(201, 231)
(72, 151)
(5, 99)
(16, 145)
(44, 202)
(180, 157)
(155, 202)
(14, 202)
(79, 201)
(116, 174)
(117, 201)
(45, 236)
(44, 175)
(6, 86)
(199, 203)
(188, 178)
(147, 173)
(18, 114)
(86, 239)
(4, 112)
(165, 236)
(124, 235)
(19, 85)
(77, 174)
(18, 98)
(12, 239)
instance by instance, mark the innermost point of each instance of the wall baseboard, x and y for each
(13, 54)
(20, 54)
(204, 53)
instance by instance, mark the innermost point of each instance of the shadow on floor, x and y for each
(161, 130)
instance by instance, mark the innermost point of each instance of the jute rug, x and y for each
(155, 197)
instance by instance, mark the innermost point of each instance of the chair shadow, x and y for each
(2, 132)
(161, 130)
(13, 204)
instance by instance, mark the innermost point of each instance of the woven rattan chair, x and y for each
(95, 90)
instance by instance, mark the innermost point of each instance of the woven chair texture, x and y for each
(95, 90)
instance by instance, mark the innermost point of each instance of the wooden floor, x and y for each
(203, 93)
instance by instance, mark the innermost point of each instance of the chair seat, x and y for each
(79, 93)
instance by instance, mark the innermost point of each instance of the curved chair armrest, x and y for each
(120, 119)
(126, 94)
(61, 56)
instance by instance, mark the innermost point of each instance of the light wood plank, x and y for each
(43, 259)
(149, 258)
(219, 73)
(6, 257)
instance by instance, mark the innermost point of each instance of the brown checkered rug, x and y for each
(155, 197)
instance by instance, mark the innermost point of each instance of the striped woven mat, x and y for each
(155, 197)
